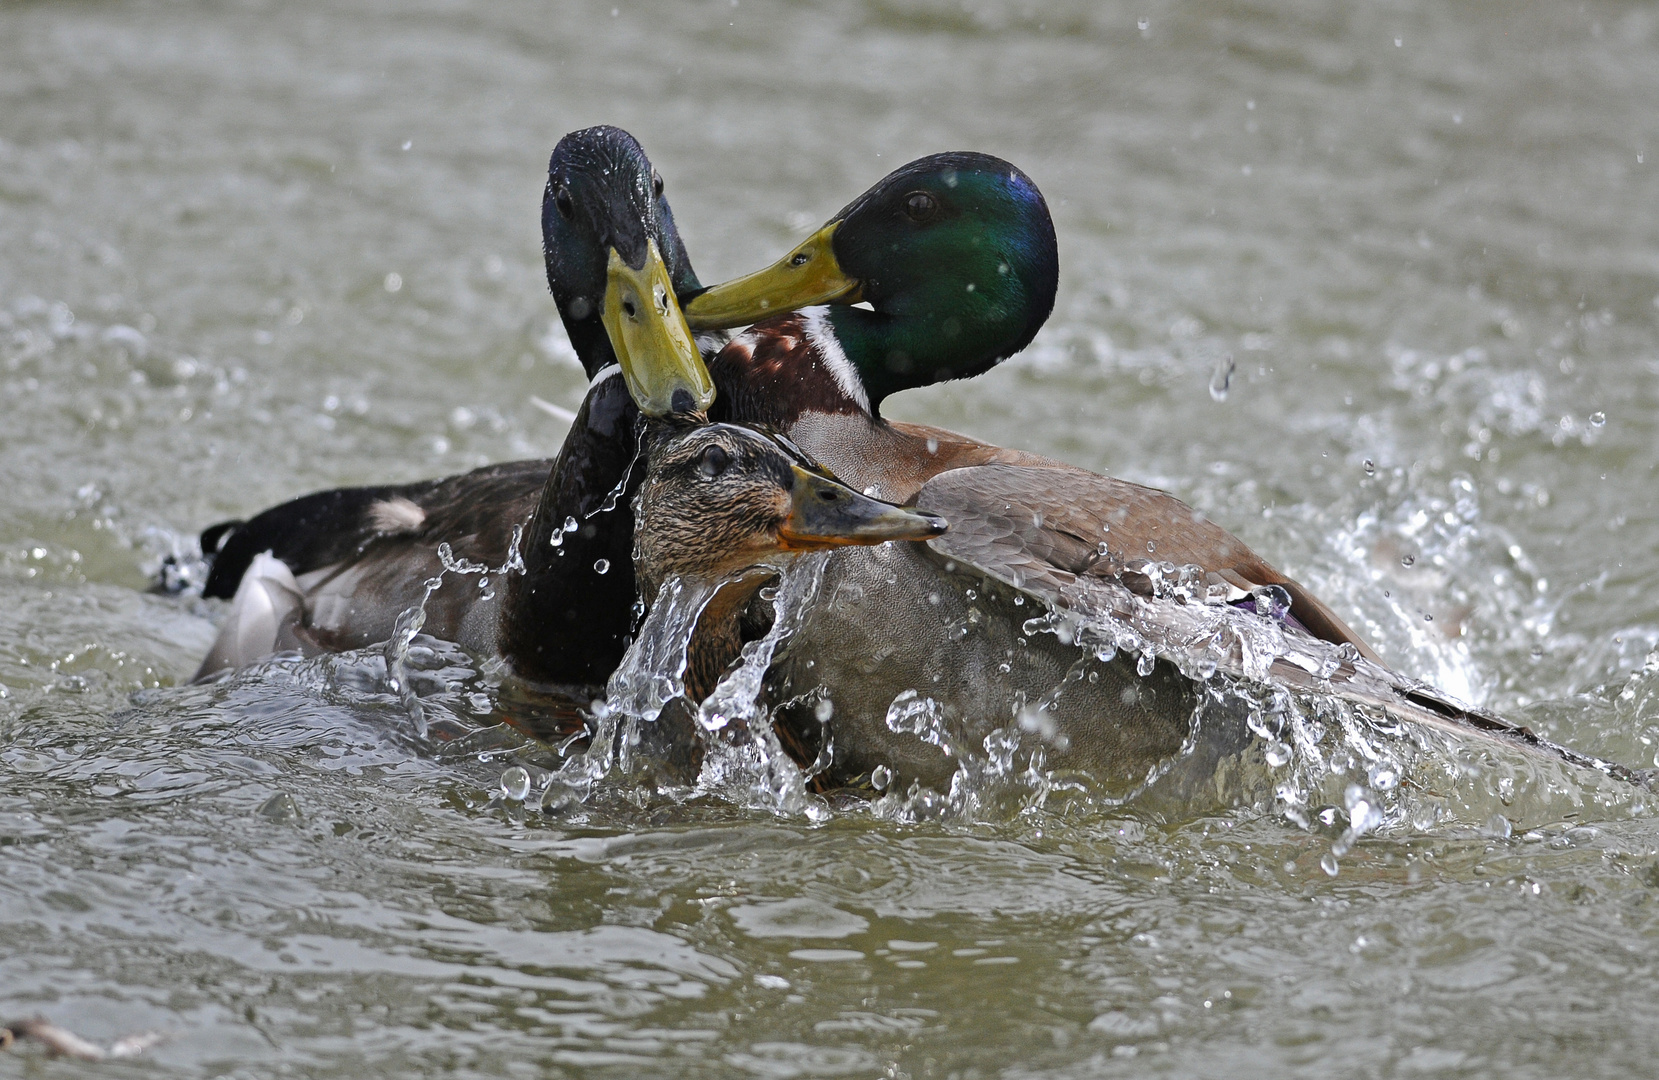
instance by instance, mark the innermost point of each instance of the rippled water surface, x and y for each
(248, 250)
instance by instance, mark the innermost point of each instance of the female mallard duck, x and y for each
(725, 503)
(334, 570)
(953, 262)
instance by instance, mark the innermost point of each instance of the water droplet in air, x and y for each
(932, 445)
(1221, 379)
(1328, 864)
(1370, 467)
(880, 777)
(515, 783)
(1276, 753)
(394, 281)
(1407, 560)
(602, 566)
(824, 710)
(570, 524)
(1143, 666)
(1598, 418)
(1151, 546)
(1143, 24)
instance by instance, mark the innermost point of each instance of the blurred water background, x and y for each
(1375, 286)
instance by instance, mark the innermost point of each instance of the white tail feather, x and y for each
(268, 602)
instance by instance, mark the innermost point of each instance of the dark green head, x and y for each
(955, 253)
(613, 259)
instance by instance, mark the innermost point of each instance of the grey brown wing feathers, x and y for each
(1043, 526)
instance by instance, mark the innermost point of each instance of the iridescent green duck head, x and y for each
(955, 255)
(615, 264)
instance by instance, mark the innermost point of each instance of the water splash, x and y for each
(410, 622)
(742, 761)
(753, 769)
(652, 673)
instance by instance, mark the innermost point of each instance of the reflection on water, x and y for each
(1373, 287)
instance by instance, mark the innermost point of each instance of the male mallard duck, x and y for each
(335, 569)
(954, 256)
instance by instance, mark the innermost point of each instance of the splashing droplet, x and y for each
(1329, 864)
(1407, 560)
(515, 783)
(880, 777)
(602, 566)
(1598, 419)
(1370, 467)
(1221, 379)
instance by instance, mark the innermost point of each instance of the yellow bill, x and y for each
(660, 362)
(806, 276)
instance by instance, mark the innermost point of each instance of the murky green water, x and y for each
(1426, 234)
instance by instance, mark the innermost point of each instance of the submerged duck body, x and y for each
(336, 569)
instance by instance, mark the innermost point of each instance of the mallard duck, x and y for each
(335, 570)
(940, 271)
(730, 506)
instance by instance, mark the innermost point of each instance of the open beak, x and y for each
(806, 276)
(660, 362)
(826, 513)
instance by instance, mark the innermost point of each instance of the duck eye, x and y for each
(713, 461)
(561, 199)
(656, 183)
(919, 206)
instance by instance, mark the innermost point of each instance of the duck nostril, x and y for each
(801, 259)
(628, 308)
